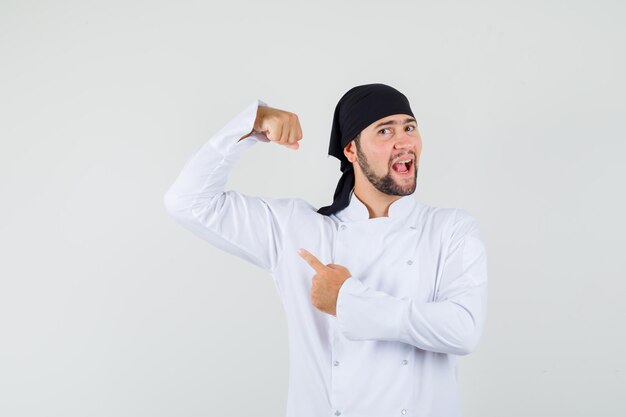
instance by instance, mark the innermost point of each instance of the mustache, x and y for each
(395, 158)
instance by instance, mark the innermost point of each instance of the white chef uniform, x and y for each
(416, 299)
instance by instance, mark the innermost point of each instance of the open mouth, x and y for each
(403, 168)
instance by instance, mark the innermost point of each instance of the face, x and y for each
(383, 143)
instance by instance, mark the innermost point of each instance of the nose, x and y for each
(404, 141)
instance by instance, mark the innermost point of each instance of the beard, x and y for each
(387, 183)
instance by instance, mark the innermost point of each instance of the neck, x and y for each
(377, 203)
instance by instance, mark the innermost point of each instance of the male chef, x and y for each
(382, 292)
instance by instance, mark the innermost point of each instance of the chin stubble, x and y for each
(387, 183)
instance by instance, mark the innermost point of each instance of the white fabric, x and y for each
(416, 299)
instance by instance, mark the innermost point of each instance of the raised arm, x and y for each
(249, 227)
(452, 323)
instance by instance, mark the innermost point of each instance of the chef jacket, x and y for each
(415, 301)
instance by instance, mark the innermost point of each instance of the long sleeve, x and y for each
(452, 323)
(249, 227)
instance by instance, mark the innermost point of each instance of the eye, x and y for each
(411, 126)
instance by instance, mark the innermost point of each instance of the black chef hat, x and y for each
(357, 109)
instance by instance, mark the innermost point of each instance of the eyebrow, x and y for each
(393, 122)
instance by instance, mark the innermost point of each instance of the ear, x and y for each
(350, 151)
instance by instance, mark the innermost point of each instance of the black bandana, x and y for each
(357, 109)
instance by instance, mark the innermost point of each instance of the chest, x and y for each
(399, 259)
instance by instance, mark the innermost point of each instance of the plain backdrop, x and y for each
(109, 308)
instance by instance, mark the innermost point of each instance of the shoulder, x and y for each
(297, 208)
(284, 205)
(450, 221)
(307, 217)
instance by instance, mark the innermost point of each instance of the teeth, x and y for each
(408, 160)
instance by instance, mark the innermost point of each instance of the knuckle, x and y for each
(273, 119)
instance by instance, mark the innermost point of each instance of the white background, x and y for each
(109, 308)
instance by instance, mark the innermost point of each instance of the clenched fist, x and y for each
(279, 126)
(326, 282)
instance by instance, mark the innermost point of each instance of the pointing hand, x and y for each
(326, 282)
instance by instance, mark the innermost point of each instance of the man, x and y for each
(381, 292)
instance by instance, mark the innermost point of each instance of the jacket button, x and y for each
(343, 227)
(337, 413)
(404, 362)
(336, 363)
(410, 262)
(403, 411)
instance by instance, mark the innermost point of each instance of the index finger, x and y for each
(312, 260)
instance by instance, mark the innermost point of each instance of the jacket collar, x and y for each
(357, 210)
